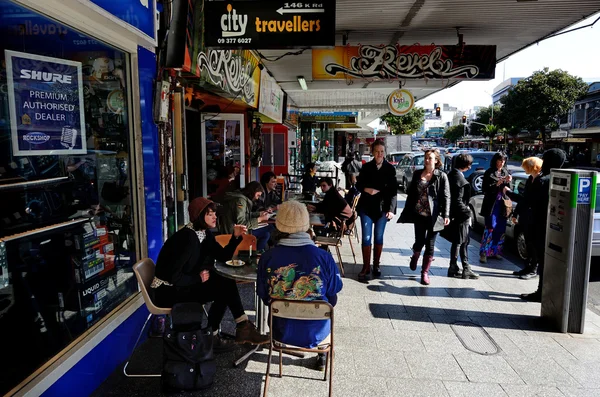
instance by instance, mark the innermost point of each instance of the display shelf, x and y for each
(30, 184)
(45, 229)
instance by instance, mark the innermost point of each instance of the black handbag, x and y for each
(188, 358)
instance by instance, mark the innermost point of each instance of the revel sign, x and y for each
(269, 24)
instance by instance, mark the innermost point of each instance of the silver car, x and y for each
(405, 169)
(514, 232)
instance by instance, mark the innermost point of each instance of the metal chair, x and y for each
(144, 272)
(352, 231)
(301, 310)
(334, 241)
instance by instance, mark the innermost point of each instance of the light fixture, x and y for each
(302, 83)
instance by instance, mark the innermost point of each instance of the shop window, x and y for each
(67, 239)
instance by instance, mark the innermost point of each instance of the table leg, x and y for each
(246, 356)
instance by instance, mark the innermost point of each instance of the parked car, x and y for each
(405, 169)
(514, 232)
(366, 158)
(395, 157)
(481, 162)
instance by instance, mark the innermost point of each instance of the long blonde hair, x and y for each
(532, 164)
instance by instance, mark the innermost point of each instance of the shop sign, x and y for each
(271, 98)
(45, 99)
(400, 102)
(558, 134)
(269, 24)
(475, 62)
(574, 140)
(291, 115)
(235, 72)
(138, 13)
(331, 117)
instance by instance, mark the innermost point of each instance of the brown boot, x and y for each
(427, 259)
(246, 332)
(378, 249)
(414, 259)
(366, 252)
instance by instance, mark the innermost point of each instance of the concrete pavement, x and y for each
(395, 337)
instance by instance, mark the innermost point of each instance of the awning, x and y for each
(585, 131)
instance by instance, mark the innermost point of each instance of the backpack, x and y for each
(188, 359)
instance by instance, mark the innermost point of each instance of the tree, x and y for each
(484, 116)
(408, 124)
(454, 132)
(537, 102)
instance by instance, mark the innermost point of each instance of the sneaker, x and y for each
(222, 344)
(482, 258)
(528, 276)
(521, 272)
(246, 332)
(321, 361)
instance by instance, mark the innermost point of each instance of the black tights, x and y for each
(424, 235)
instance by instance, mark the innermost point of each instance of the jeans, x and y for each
(464, 252)
(366, 224)
(262, 236)
(424, 235)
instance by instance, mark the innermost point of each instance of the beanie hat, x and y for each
(196, 207)
(553, 158)
(292, 217)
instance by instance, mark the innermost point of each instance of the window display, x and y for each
(67, 238)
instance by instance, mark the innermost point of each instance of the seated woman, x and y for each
(296, 269)
(237, 209)
(309, 179)
(334, 207)
(185, 273)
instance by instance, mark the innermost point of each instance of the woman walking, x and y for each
(428, 208)
(492, 208)
(376, 206)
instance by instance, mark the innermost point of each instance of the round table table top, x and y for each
(241, 273)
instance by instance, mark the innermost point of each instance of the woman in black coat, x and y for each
(428, 208)
(460, 218)
(376, 206)
(492, 208)
(185, 273)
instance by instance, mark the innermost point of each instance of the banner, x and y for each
(269, 24)
(138, 13)
(45, 99)
(476, 62)
(271, 98)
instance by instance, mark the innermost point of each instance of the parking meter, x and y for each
(568, 248)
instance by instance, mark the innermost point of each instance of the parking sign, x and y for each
(583, 190)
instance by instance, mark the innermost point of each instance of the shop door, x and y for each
(223, 152)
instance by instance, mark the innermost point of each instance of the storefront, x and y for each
(79, 187)
(271, 105)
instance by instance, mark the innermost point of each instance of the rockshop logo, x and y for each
(232, 23)
(36, 138)
(91, 289)
(45, 76)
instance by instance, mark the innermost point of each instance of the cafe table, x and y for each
(246, 273)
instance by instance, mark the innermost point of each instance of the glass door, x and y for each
(223, 153)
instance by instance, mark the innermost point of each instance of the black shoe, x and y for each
(376, 271)
(222, 344)
(534, 297)
(528, 276)
(321, 361)
(454, 271)
(522, 272)
(468, 273)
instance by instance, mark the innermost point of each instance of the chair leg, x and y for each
(326, 366)
(268, 370)
(352, 248)
(281, 363)
(339, 255)
(131, 355)
(330, 357)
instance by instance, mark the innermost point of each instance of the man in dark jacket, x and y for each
(553, 158)
(269, 198)
(460, 218)
(334, 206)
(309, 179)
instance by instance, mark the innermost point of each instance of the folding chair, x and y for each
(144, 272)
(334, 241)
(247, 241)
(301, 310)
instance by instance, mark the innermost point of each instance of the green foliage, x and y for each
(408, 124)
(536, 102)
(454, 132)
(484, 116)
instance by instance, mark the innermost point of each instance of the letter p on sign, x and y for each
(583, 190)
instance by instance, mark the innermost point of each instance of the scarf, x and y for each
(297, 240)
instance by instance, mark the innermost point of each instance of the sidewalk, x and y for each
(393, 337)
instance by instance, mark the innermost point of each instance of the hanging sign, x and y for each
(400, 102)
(271, 98)
(477, 62)
(45, 99)
(138, 13)
(269, 24)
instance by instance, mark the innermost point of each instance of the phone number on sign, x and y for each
(242, 40)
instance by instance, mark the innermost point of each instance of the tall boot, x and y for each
(414, 259)
(366, 252)
(453, 269)
(378, 249)
(427, 259)
(467, 273)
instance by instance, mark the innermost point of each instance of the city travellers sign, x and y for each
(269, 24)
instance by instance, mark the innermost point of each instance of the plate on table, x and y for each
(235, 263)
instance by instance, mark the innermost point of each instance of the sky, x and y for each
(575, 52)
